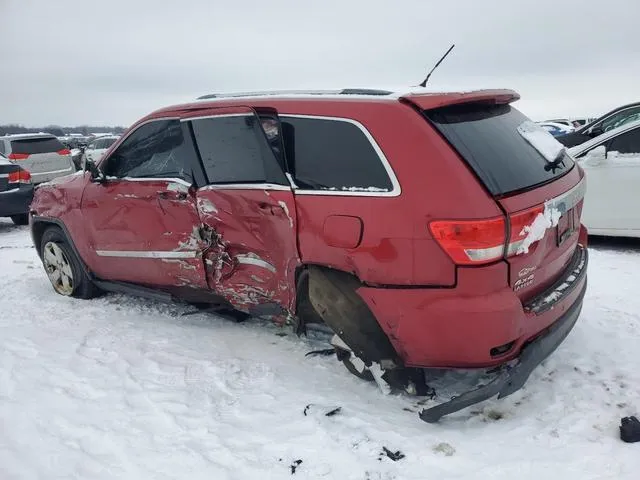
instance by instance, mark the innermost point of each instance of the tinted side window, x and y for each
(628, 142)
(234, 149)
(619, 118)
(156, 149)
(332, 154)
(2, 149)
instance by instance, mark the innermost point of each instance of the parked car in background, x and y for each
(562, 121)
(96, 148)
(16, 191)
(601, 125)
(581, 121)
(556, 129)
(573, 122)
(42, 154)
(321, 209)
(612, 165)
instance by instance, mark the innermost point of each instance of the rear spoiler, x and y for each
(431, 101)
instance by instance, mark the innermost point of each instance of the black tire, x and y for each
(22, 219)
(82, 286)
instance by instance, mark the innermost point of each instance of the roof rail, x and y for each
(344, 91)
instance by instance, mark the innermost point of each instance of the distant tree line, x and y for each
(58, 130)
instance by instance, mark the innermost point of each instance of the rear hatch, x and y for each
(533, 180)
(44, 157)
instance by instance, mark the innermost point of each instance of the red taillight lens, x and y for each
(517, 223)
(64, 151)
(21, 176)
(471, 242)
(18, 156)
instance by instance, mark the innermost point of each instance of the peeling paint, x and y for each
(182, 263)
(206, 206)
(193, 242)
(255, 260)
(126, 195)
(177, 187)
(286, 211)
(256, 278)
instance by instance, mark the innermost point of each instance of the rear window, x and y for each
(36, 145)
(487, 138)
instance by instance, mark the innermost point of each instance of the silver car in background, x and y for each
(41, 154)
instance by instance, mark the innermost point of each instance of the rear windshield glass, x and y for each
(487, 138)
(36, 145)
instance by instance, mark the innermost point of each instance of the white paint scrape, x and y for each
(541, 140)
(206, 206)
(536, 231)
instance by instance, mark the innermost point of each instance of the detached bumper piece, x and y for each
(513, 378)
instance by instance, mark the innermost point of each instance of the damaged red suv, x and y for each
(425, 230)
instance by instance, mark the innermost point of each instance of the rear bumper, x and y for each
(478, 324)
(513, 378)
(16, 201)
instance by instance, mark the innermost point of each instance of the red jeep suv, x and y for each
(425, 230)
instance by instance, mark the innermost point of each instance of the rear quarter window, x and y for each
(332, 154)
(487, 138)
(33, 146)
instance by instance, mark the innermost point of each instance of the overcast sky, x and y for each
(112, 61)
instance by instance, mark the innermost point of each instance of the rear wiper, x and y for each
(556, 164)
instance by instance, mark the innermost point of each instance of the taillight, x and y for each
(471, 242)
(64, 151)
(518, 222)
(476, 242)
(21, 176)
(18, 156)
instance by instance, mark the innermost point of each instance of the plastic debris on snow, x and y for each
(547, 219)
(541, 140)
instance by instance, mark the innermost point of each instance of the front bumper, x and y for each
(16, 201)
(513, 378)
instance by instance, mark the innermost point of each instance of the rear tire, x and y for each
(22, 219)
(63, 267)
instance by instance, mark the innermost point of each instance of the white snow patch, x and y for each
(541, 140)
(536, 231)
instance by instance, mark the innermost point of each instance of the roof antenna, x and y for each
(424, 82)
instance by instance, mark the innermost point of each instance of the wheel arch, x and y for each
(333, 295)
(40, 224)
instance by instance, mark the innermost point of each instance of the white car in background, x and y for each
(612, 165)
(41, 154)
(97, 147)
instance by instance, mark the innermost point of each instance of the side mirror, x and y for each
(96, 174)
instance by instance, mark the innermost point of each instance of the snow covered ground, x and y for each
(121, 387)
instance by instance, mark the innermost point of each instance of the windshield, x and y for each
(489, 139)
